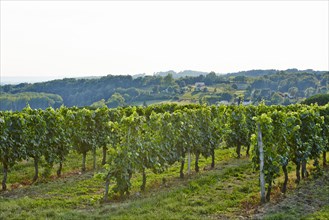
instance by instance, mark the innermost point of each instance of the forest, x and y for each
(273, 86)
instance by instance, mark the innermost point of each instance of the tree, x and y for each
(168, 80)
(115, 100)
(210, 78)
(276, 99)
(320, 99)
(325, 80)
(293, 91)
(99, 104)
(226, 96)
(234, 86)
(240, 79)
(309, 92)
(156, 89)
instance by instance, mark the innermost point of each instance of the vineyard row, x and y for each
(134, 139)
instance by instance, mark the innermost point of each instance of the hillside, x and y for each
(257, 73)
(275, 87)
(18, 101)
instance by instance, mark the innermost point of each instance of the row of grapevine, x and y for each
(134, 139)
(158, 140)
(50, 135)
(296, 134)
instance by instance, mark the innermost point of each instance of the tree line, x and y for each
(17, 102)
(276, 87)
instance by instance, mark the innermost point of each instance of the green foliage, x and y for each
(320, 99)
(293, 91)
(236, 130)
(16, 102)
(271, 156)
(277, 99)
(86, 92)
(12, 145)
(99, 104)
(294, 133)
(240, 78)
(234, 86)
(115, 100)
(155, 137)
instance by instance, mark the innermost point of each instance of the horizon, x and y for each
(18, 80)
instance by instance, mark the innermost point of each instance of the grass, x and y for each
(22, 173)
(321, 214)
(310, 200)
(199, 195)
(227, 192)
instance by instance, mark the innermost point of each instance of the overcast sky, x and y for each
(56, 39)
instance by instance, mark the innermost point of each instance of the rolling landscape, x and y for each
(167, 147)
(274, 86)
(194, 110)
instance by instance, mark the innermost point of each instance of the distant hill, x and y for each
(127, 90)
(184, 73)
(256, 73)
(18, 101)
(88, 77)
(248, 73)
(253, 73)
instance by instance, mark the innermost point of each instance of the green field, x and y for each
(230, 191)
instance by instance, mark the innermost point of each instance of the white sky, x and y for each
(56, 39)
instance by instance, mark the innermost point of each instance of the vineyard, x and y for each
(147, 141)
